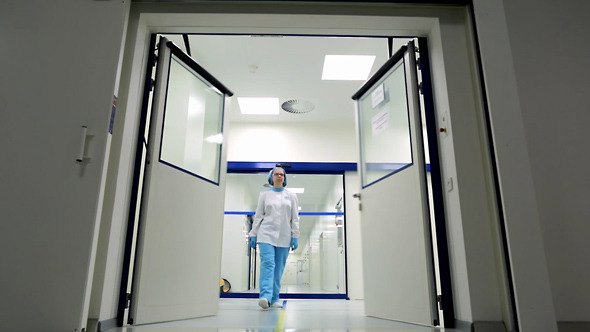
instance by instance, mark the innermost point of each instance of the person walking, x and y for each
(275, 229)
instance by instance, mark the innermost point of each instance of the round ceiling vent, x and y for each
(297, 106)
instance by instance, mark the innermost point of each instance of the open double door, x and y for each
(179, 241)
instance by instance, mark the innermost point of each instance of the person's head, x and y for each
(277, 177)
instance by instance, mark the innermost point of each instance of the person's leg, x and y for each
(281, 255)
(267, 267)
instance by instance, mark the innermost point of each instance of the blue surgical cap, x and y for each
(270, 174)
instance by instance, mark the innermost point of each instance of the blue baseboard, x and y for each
(286, 296)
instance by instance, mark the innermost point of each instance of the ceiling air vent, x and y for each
(297, 106)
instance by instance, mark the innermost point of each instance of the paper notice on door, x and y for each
(377, 96)
(380, 122)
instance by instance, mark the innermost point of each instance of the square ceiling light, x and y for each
(259, 105)
(347, 67)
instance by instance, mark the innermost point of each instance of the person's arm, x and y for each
(258, 216)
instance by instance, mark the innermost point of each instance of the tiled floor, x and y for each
(298, 315)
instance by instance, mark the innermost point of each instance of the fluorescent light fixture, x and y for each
(259, 105)
(297, 190)
(347, 67)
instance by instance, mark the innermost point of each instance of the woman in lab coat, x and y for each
(275, 229)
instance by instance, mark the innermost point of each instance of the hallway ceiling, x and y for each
(287, 67)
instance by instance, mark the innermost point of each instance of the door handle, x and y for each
(357, 195)
(80, 157)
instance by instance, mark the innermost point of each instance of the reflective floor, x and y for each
(297, 315)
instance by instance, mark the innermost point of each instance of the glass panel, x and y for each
(242, 191)
(192, 132)
(384, 127)
(318, 265)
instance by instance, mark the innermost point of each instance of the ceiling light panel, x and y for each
(347, 67)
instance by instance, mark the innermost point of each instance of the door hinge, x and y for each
(128, 300)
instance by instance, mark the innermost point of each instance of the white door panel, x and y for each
(179, 242)
(396, 242)
(181, 254)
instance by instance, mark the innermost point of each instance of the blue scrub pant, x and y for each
(272, 265)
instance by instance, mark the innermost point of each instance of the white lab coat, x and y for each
(277, 218)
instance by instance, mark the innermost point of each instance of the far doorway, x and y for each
(317, 269)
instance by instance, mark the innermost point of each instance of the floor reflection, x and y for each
(244, 315)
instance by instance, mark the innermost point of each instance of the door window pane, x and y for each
(384, 127)
(192, 132)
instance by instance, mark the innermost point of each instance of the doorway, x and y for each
(317, 269)
(424, 24)
(340, 122)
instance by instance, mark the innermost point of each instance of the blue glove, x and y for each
(294, 243)
(253, 242)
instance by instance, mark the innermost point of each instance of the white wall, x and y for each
(234, 256)
(302, 143)
(234, 253)
(552, 80)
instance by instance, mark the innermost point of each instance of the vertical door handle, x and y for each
(83, 144)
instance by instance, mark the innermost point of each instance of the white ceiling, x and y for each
(287, 67)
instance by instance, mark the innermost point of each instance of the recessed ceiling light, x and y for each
(347, 67)
(259, 105)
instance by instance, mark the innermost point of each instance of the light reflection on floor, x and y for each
(244, 315)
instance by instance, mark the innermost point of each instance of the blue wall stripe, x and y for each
(251, 213)
(297, 167)
(245, 213)
(321, 213)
